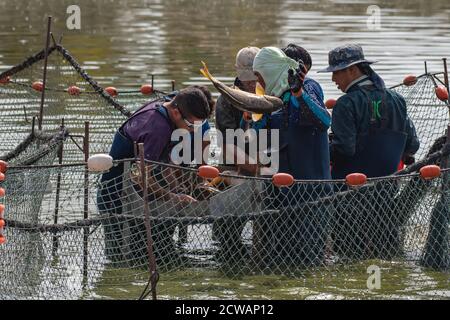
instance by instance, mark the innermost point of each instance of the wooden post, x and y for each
(151, 256)
(44, 81)
(58, 192)
(173, 85)
(86, 201)
(153, 81)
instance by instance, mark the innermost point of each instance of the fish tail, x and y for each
(205, 72)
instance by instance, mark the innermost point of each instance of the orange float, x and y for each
(2, 177)
(5, 80)
(2, 239)
(208, 172)
(112, 91)
(330, 103)
(74, 90)
(410, 80)
(2, 223)
(282, 180)
(38, 86)
(147, 89)
(3, 166)
(430, 172)
(2, 192)
(2, 208)
(441, 93)
(356, 179)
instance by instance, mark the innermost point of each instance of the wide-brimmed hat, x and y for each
(345, 56)
(244, 63)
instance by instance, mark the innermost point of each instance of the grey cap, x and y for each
(345, 56)
(244, 63)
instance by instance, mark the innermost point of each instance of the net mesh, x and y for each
(429, 114)
(314, 234)
(19, 102)
(70, 235)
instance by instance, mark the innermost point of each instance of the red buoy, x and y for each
(410, 80)
(282, 180)
(330, 103)
(208, 172)
(111, 91)
(2, 223)
(74, 90)
(356, 179)
(441, 93)
(430, 172)
(3, 166)
(147, 89)
(2, 177)
(38, 86)
(5, 80)
(2, 239)
(2, 192)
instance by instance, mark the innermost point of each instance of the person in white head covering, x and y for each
(303, 153)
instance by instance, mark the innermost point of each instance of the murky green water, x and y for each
(122, 43)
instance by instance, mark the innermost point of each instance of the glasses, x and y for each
(196, 124)
(187, 122)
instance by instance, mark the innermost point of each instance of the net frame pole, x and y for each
(86, 200)
(173, 85)
(151, 255)
(58, 193)
(444, 60)
(44, 80)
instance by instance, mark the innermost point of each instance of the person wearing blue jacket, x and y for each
(296, 236)
(372, 133)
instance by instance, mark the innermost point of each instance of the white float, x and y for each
(100, 162)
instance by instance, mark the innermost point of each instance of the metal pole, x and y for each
(86, 201)
(58, 192)
(151, 256)
(426, 68)
(446, 84)
(44, 82)
(33, 126)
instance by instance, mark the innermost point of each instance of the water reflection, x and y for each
(124, 42)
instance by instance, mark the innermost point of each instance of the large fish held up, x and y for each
(242, 100)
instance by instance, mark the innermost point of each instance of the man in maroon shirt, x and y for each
(153, 126)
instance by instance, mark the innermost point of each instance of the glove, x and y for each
(296, 78)
(408, 159)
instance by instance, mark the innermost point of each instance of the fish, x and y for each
(242, 100)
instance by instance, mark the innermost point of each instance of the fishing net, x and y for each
(70, 235)
(20, 102)
(429, 114)
(243, 238)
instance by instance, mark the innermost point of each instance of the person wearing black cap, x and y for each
(372, 133)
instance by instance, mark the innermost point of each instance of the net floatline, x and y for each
(313, 231)
(19, 102)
